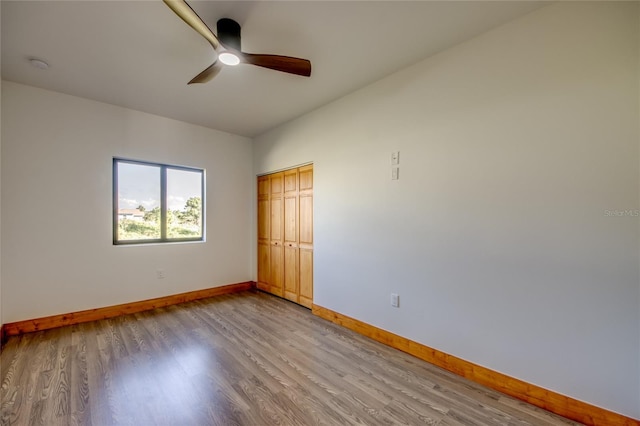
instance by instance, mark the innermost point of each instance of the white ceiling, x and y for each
(140, 55)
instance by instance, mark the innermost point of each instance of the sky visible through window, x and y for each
(182, 185)
(140, 186)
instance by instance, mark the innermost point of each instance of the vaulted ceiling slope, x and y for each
(140, 55)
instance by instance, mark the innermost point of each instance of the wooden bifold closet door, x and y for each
(285, 234)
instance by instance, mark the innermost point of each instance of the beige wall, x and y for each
(1, 321)
(57, 250)
(513, 146)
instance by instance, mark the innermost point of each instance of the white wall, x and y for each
(1, 321)
(513, 145)
(57, 250)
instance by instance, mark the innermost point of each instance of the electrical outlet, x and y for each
(395, 300)
(160, 274)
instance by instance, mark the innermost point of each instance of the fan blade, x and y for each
(279, 63)
(207, 74)
(188, 15)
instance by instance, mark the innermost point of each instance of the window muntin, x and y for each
(156, 202)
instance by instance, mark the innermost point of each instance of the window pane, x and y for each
(138, 202)
(184, 203)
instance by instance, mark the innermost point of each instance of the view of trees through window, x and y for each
(157, 202)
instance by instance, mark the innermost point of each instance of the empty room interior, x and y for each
(320, 212)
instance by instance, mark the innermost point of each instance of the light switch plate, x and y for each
(395, 173)
(395, 158)
(395, 300)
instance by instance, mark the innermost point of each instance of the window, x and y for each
(156, 202)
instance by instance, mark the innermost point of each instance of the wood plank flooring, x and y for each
(241, 359)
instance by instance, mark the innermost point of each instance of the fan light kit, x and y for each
(229, 58)
(227, 46)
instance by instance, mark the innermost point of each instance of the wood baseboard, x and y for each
(3, 337)
(44, 323)
(551, 401)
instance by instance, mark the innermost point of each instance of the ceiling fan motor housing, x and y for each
(229, 33)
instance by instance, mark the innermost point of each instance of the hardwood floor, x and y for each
(241, 359)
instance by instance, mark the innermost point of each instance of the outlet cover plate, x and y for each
(395, 300)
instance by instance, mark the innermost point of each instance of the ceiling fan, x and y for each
(227, 46)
